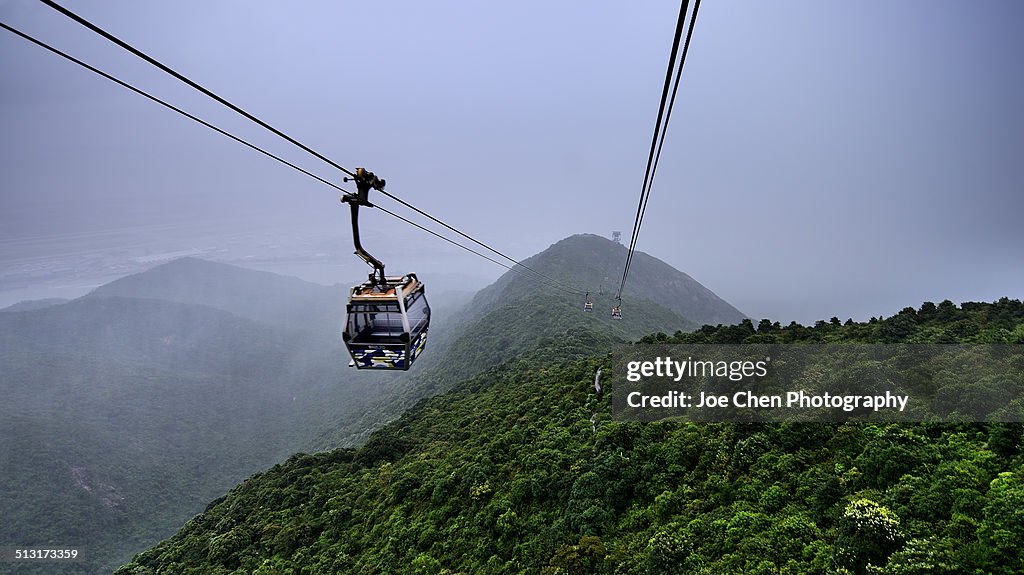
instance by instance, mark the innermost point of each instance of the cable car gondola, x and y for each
(617, 310)
(588, 305)
(386, 325)
(386, 317)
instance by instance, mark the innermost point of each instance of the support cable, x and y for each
(221, 131)
(658, 139)
(86, 23)
(186, 80)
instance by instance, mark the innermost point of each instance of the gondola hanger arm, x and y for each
(365, 181)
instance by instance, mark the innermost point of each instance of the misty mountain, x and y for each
(157, 391)
(127, 409)
(270, 298)
(157, 332)
(31, 304)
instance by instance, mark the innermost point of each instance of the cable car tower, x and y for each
(386, 317)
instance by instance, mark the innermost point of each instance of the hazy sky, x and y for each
(825, 158)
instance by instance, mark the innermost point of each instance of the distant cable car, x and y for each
(588, 305)
(386, 317)
(617, 310)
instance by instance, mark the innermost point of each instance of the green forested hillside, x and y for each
(496, 335)
(129, 408)
(521, 470)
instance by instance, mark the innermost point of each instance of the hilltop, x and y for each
(594, 263)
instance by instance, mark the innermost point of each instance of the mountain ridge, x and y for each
(34, 304)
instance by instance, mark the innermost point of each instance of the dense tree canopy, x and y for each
(522, 470)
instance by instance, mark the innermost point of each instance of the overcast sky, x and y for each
(825, 158)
